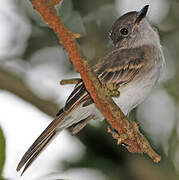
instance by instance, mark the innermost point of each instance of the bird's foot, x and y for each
(113, 89)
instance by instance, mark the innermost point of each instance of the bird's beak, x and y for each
(141, 15)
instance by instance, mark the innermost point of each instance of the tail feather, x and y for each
(62, 121)
(41, 142)
(40, 149)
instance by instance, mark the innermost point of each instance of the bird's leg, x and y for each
(70, 81)
(113, 89)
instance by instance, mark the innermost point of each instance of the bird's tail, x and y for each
(62, 121)
(42, 141)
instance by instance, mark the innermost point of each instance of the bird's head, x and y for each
(127, 27)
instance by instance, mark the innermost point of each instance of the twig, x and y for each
(70, 81)
(135, 141)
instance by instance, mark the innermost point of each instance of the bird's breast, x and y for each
(137, 90)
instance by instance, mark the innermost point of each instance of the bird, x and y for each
(134, 66)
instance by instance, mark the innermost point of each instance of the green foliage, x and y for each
(2, 152)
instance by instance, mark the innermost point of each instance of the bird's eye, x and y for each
(124, 31)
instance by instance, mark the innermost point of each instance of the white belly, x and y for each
(134, 93)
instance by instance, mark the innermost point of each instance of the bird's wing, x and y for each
(119, 67)
(122, 66)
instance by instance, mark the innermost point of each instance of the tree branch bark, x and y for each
(129, 132)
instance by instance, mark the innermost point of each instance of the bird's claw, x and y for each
(113, 89)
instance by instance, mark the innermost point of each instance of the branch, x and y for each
(15, 85)
(129, 132)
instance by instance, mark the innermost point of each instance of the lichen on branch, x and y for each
(129, 131)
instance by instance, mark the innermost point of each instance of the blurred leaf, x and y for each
(85, 7)
(72, 19)
(75, 23)
(30, 12)
(65, 9)
(2, 152)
